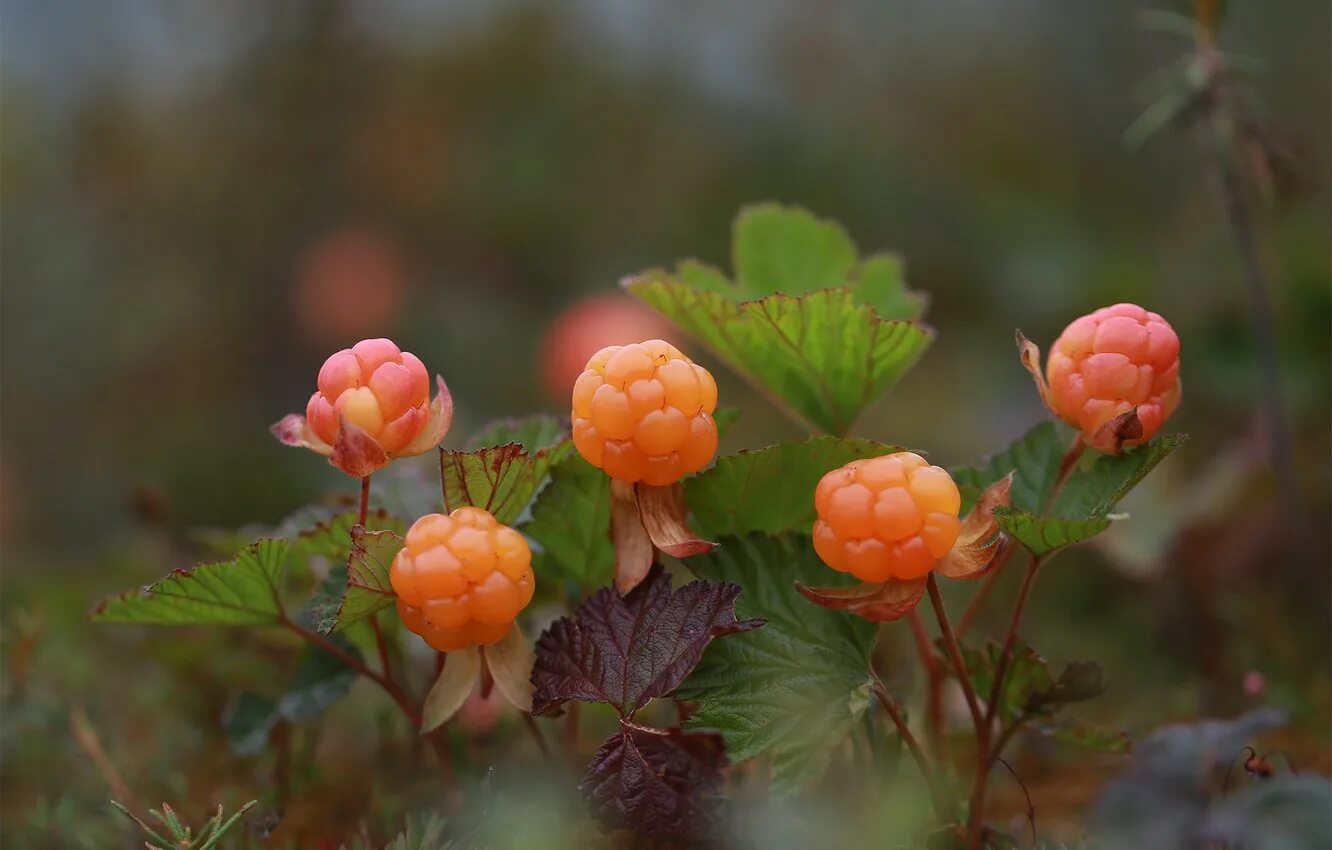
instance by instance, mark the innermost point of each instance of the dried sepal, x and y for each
(879, 602)
(437, 426)
(633, 547)
(981, 542)
(1111, 437)
(357, 453)
(510, 661)
(293, 430)
(1030, 355)
(663, 512)
(451, 688)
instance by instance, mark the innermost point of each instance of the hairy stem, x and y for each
(955, 653)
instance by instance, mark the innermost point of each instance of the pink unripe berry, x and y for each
(376, 387)
(1106, 363)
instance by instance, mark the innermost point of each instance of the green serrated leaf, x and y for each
(243, 591)
(531, 432)
(803, 321)
(771, 489)
(787, 249)
(1027, 675)
(824, 354)
(1083, 508)
(570, 522)
(504, 478)
(1097, 489)
(795, 688)
(1035, 456)
(367, 588)
(1043, 535)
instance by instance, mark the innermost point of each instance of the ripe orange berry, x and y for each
(887, 517)
(375, 386)
(461, 579)
(643, 412)
(1110, 361)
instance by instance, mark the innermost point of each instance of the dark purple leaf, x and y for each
(661, 783)
(627, 650)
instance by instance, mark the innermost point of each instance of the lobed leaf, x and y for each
(1033, 458)
(504, 478)
(627, 650)
(1097, 489)
(242, 591)
(770, 489)
(804, 320)
(662, 783)
(795, 688)
(1043, 535)
(569, 521)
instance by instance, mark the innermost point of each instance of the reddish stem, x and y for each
(389, 685)
(935, 680)
(365, 500)
(954, 652)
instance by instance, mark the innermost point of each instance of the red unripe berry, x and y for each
(1111, 361)
(461, 579)
(889, 517)
(643, 412)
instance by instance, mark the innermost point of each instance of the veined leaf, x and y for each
(243, 591)
(1084, 505)
(571, 521)
(367, 590)
(533, 432)
(796, 687)
(772, 489)
(503, 479)
(804, 320)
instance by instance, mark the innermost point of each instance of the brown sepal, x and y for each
(1030, 355)
(880, 602)
(357, 453)
(981, 543)
(633, 547)
(663, 512)
(1110, 438)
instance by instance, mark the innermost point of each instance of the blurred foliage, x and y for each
(193, 195)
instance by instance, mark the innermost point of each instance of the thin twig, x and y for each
(955, 653)
(938, 797)
(537, 734)
(935, 680)
(389, 685)
(365, 500)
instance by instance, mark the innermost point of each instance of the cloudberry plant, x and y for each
(1111, 361)
(461, 579)
(643, 412)
(889, 517)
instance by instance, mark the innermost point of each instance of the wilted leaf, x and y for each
(627, 650)
(451, 688)
(661, 783)
(771, 489)
(802, 320)
(794, 688)
(880, 602)
(980, 546)
(662, 510)
(629, 539)
(356, 452)
(242, 591)
(510, 662)
(571, 523)
(504, 478)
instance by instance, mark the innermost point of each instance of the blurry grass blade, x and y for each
(1168, 108)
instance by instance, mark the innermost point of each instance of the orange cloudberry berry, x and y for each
(643, 412)
(889, 517)
(461, 579)
(1111, 361)
(378, 388)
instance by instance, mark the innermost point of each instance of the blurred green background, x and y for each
(201, 201)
